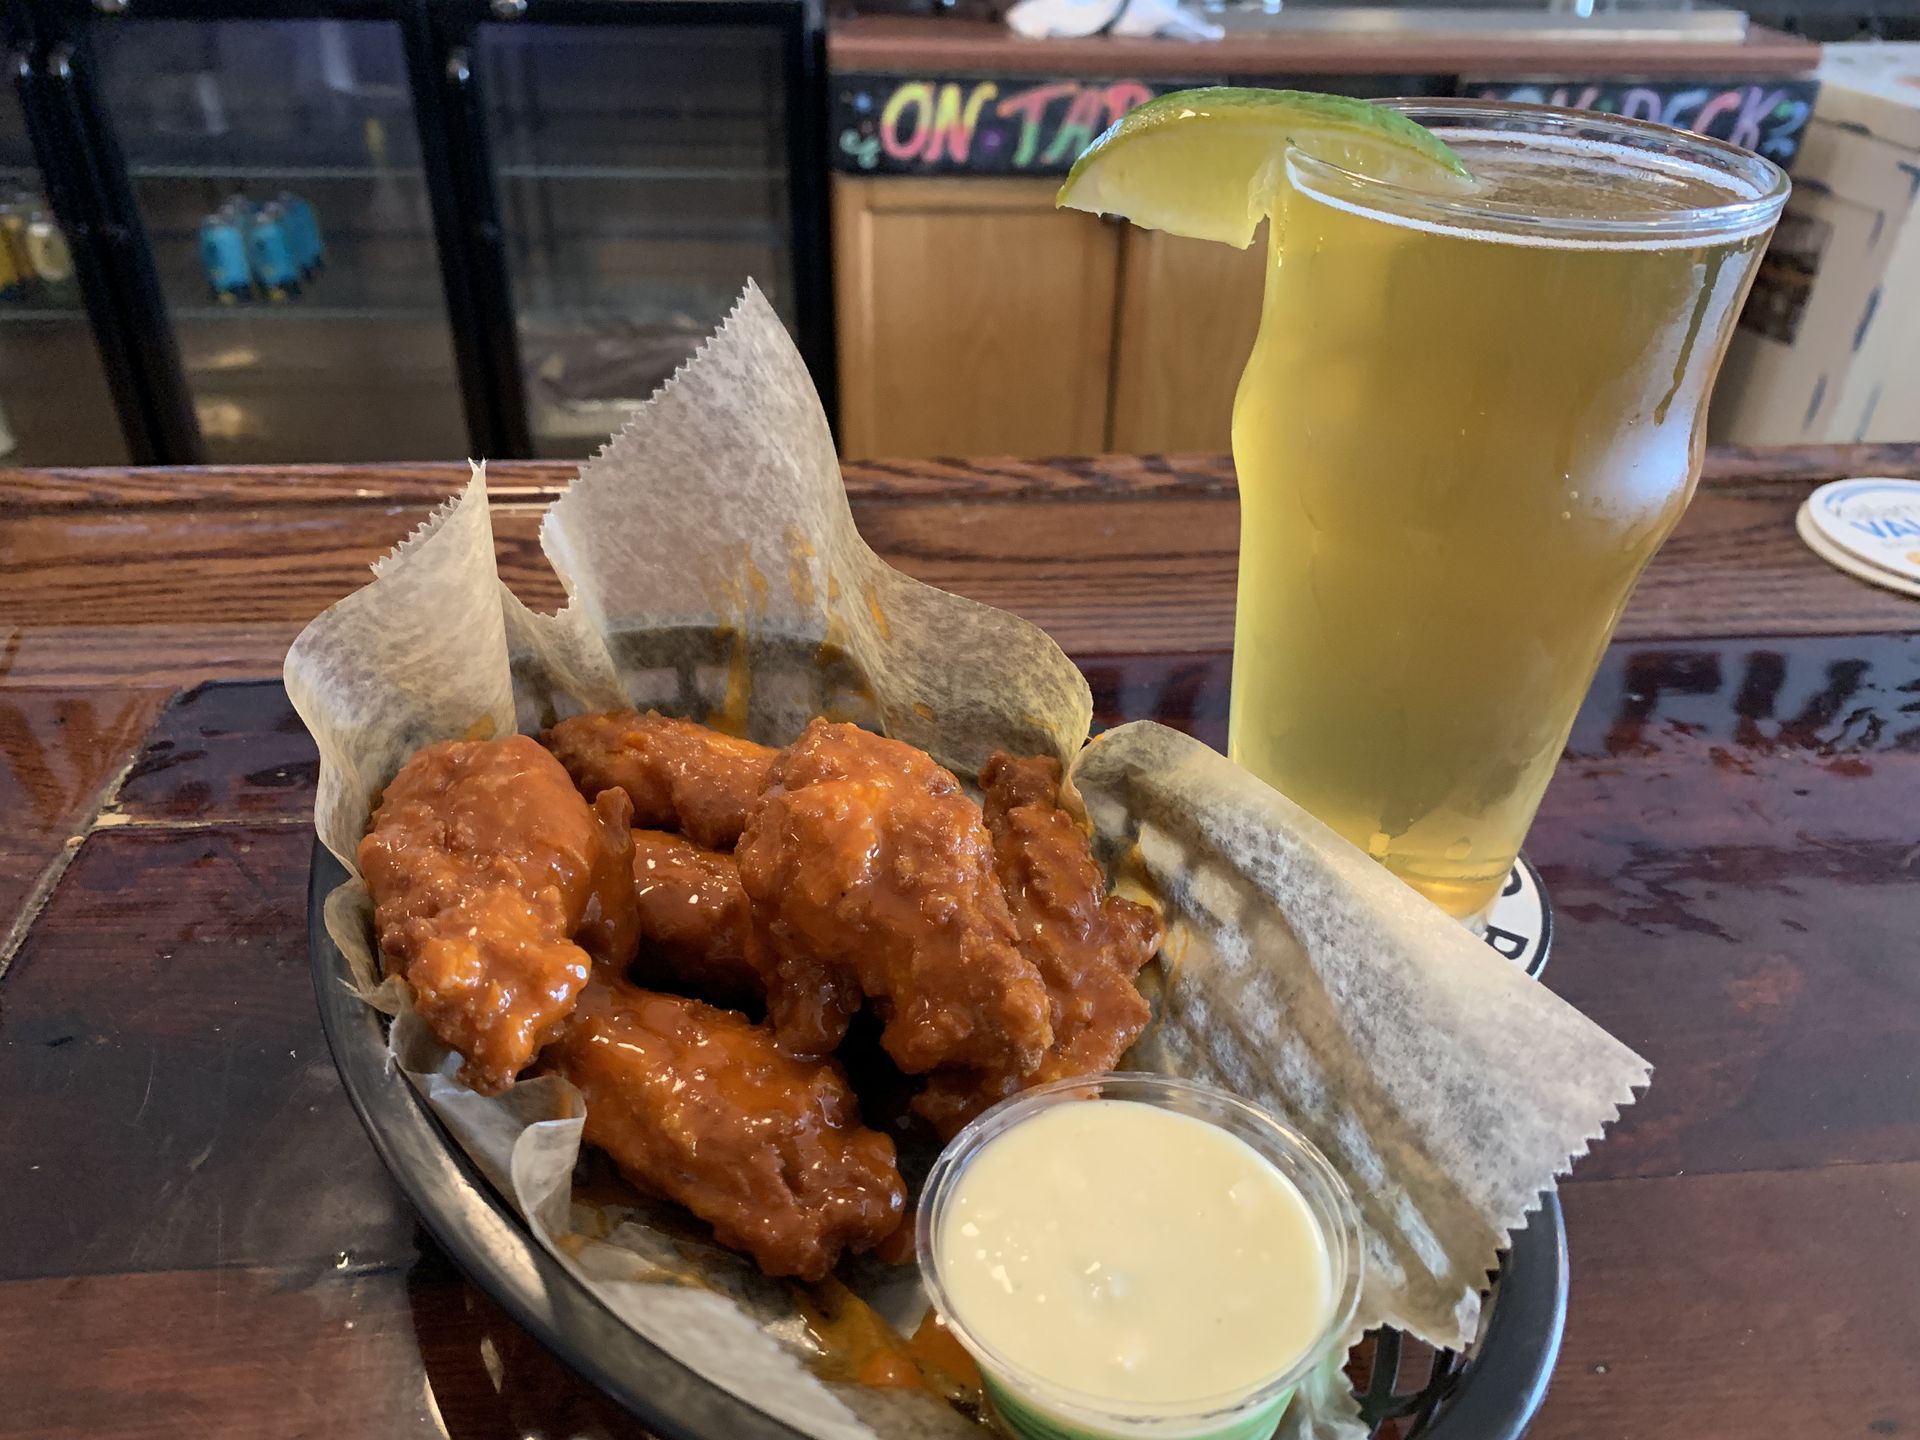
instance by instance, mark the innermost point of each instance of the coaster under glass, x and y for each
(1520, 924)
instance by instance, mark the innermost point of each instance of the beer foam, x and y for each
(1582, 186)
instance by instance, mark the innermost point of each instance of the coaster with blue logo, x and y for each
(1868, 527)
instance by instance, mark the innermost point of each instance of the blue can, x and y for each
(272, 256)
(303, 234)
(223, 255)
(237, 213)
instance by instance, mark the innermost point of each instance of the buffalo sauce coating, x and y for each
(679, 775)
(494, 883)
(699, 1105)
(1087, 945)
(693, 920)
(871, 875)
(610, 924)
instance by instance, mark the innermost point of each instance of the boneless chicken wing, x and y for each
(1087, 945)
(679, 775)
(871, 876)
(702, 1107)
(494, 885)
(693, 921)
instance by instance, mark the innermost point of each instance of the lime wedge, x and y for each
(1206, 163)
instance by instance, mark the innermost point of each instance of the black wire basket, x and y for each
(1491, 1392)
(1488, 1393)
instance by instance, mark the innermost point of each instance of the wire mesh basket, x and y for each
(1491, 1392)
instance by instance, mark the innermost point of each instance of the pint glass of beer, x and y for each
(1468, 422)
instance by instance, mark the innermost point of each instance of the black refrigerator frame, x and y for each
(92, 196)
(80, 166)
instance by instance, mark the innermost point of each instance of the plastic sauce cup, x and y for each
(1039, 1408)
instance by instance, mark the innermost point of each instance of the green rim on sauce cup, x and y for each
(1038, 1407)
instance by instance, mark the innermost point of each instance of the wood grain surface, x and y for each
(919, 262)
(60, 751)
(229, 564)
(199, 1240)
(1189, 311)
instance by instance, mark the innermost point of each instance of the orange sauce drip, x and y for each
(857, 1345)
(933, 1346)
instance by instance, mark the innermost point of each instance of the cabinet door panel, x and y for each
(974, 319)
(1188, 313)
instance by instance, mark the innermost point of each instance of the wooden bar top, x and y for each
(929, 46)
(168, 577)
(199, 1240)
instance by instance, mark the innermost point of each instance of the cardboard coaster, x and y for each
(1841, 559)
(1520, 925)
(1868, 527)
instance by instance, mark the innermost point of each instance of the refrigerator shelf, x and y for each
(39, 314)
(294, 310)
(758, 174)
(276, 172)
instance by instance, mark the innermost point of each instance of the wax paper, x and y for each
(713, 570)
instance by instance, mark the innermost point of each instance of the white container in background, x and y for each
(1828, 348)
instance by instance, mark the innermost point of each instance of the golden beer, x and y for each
(1466, 426)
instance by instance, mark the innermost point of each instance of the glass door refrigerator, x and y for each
(387, 230)
(58, 405)
(270, 155)
(629, 165)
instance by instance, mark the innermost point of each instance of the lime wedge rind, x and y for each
(1206, 163)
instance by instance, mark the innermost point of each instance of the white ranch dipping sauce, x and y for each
(1136, 1254)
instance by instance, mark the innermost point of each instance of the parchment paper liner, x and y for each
(713, 570)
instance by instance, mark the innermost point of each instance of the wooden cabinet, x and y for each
(976, 319)
(1187, 317)
(973, 319)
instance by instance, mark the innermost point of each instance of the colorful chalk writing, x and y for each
(1036, 125)
(1766, 116)
(898, 125)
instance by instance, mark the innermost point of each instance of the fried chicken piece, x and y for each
(679, 775)
(693, 921)
(700, 1106)
(1088, 945)
(871, 876)
(494, 883)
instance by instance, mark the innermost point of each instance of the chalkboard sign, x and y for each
(1037, 124)
(1767, 116)
(1026, 125)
